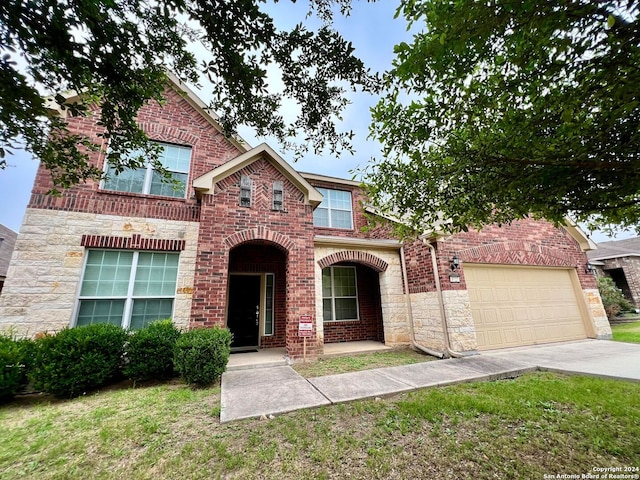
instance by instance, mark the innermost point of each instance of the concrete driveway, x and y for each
(270, 391)
(599, 358)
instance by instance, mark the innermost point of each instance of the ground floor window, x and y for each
(126, 288)
(339, 294)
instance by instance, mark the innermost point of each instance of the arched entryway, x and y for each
(256, 295)
(351, 303)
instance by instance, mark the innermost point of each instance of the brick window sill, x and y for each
(334, 229)
(141, 196)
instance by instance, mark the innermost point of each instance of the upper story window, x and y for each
(278, 196)
(245, 191)
(175, 158)
(335, 211)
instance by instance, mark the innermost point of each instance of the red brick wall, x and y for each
(262, 257)
(524, 242)
(225, 225)
(175, 122)
(369, 327)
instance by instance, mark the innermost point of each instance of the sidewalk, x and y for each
(275, 390)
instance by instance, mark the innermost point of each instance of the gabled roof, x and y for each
(206, 183)
(176, 84)
(629, 247)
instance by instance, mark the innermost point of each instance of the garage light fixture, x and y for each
(455, 263)
(590, 269)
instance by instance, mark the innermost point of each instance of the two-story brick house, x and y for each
(250, 243)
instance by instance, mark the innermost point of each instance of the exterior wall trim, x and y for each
(325, 178)
(326, 240)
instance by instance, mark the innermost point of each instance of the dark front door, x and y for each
(243, 316)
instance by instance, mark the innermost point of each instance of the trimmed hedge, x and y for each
(15, 360)
(77, 360)
(149, 352)
(201, 355)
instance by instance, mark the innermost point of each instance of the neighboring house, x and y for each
(250, 243)
(620, 260)
(7, 242)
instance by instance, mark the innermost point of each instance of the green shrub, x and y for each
(12, 368)
(27, 352)
(76, 360)
(613, 300)
(149, 353)
(201, 355)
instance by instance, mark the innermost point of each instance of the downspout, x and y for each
(443, 315)
(414, 344)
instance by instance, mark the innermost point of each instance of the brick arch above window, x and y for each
(259, 233)
(355, 256)
(169, 133)
(517, 253)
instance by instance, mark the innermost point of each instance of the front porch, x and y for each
(272, 357)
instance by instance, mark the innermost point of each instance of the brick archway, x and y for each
(259, 233)
(355, 256)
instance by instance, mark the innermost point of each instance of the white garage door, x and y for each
(514, 306)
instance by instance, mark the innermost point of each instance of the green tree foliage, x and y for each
(116, 53)
(501, 109)
(613, 300)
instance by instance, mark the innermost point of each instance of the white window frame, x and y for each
(326, 205)
(333, 297)
(129, 298)
(148, 176)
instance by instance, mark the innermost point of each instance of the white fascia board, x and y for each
(326, 240)
(611, 257)
(327, 179)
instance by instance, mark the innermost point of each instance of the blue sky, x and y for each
(371, 28)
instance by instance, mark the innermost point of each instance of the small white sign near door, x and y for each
(305, 326)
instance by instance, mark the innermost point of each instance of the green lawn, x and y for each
(626, 332)
(512, 429)
(364, 361)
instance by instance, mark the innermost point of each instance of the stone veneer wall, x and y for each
(427, 325)
(596, 309)
(393, 300)
(46, 267)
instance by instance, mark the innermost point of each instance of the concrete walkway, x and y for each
(274, 390)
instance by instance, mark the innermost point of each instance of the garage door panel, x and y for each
(514, 306)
